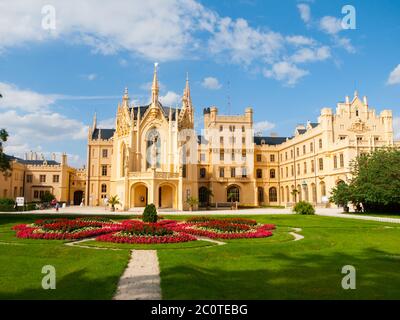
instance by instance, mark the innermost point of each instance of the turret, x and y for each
(155, 88)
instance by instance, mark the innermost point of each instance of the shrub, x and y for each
(6, 208)
(47, 197)
(304, 207)
(7, 202)
(150, 213)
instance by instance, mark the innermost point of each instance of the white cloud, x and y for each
(26, 100)
(211, 83)
(90, 76)
(106, 123)
(331, 25)
(245, 44)
(156, 29)
(394, 77)
(305, 12)
(170, 99)
(300, 40)
(262, 126)
(286, 72)
(396, 128)
(311, 55)
(344, 43)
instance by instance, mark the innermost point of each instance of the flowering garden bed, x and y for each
(136, 231)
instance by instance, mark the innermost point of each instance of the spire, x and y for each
(186, 99)
(125, 98)
(94, 121)
(154, 88)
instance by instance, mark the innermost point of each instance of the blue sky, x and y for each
(286, 59)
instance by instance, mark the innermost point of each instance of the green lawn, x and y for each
(271, 268)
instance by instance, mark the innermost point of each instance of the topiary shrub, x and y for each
(150, 213)
(304, 207)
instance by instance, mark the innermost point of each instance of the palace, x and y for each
(153, 155)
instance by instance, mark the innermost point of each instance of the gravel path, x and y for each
(359, 217)
(296, 236)
(141, 279)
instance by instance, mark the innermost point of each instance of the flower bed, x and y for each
(63, 229)
(136, 231)
(230, 228)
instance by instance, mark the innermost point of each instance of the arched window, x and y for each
(153, 138)
(103, 188)
(259, 173)
(357, 113)
(260, 193)
(202, 172)
(272, 174)
(233, 194)
(273, 196)
(323, 189)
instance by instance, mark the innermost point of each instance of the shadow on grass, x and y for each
(282, 276)
(75, 285)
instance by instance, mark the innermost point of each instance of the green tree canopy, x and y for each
(4, 161)
(376, 181)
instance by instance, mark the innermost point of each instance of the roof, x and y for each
(314, 124)
(201, 140)
(32, 162)
(106, 134)
(301, 131)
(165, 110)
(270, 140)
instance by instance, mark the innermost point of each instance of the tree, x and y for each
(341, 195)
(4, 160)
(47, 197)
(208, 194)
(294, 193)
(113, 201)
(150, 213)
(376, 181)
(192, 201)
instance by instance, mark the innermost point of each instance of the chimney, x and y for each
(64, 159)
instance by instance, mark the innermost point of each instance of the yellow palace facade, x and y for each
(154, 155)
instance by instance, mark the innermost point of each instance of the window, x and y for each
(292, 170)
(221, 140)
(298, 169)
(272, 158)
(56, 178)
(243, 129)
(272, 173)
(304, 149)
(259, 173)
(221, 128)
(273, 195)
(311, 147)
(36, 194)
(320, 143)
(259, 158)
(202, 157)
(42, 178)
(103, 170)
(221, 155)
(298, 152)
(312, 166)
(285, 155)
(357, 113)
(103, 188)
(260, 192)
(233, 194)
(321, 164)
(341, 160)
(244, 172)
(184, 170)
(287, 172)
(305, 167)
(202, 173)
(233, 172)
(222, 172)
(244, 154)
(233, 155)
(342, 137)
(243, 140)
(105, 153)
(29, 178)
(291, 154)
(204, 196)
(359, 138)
